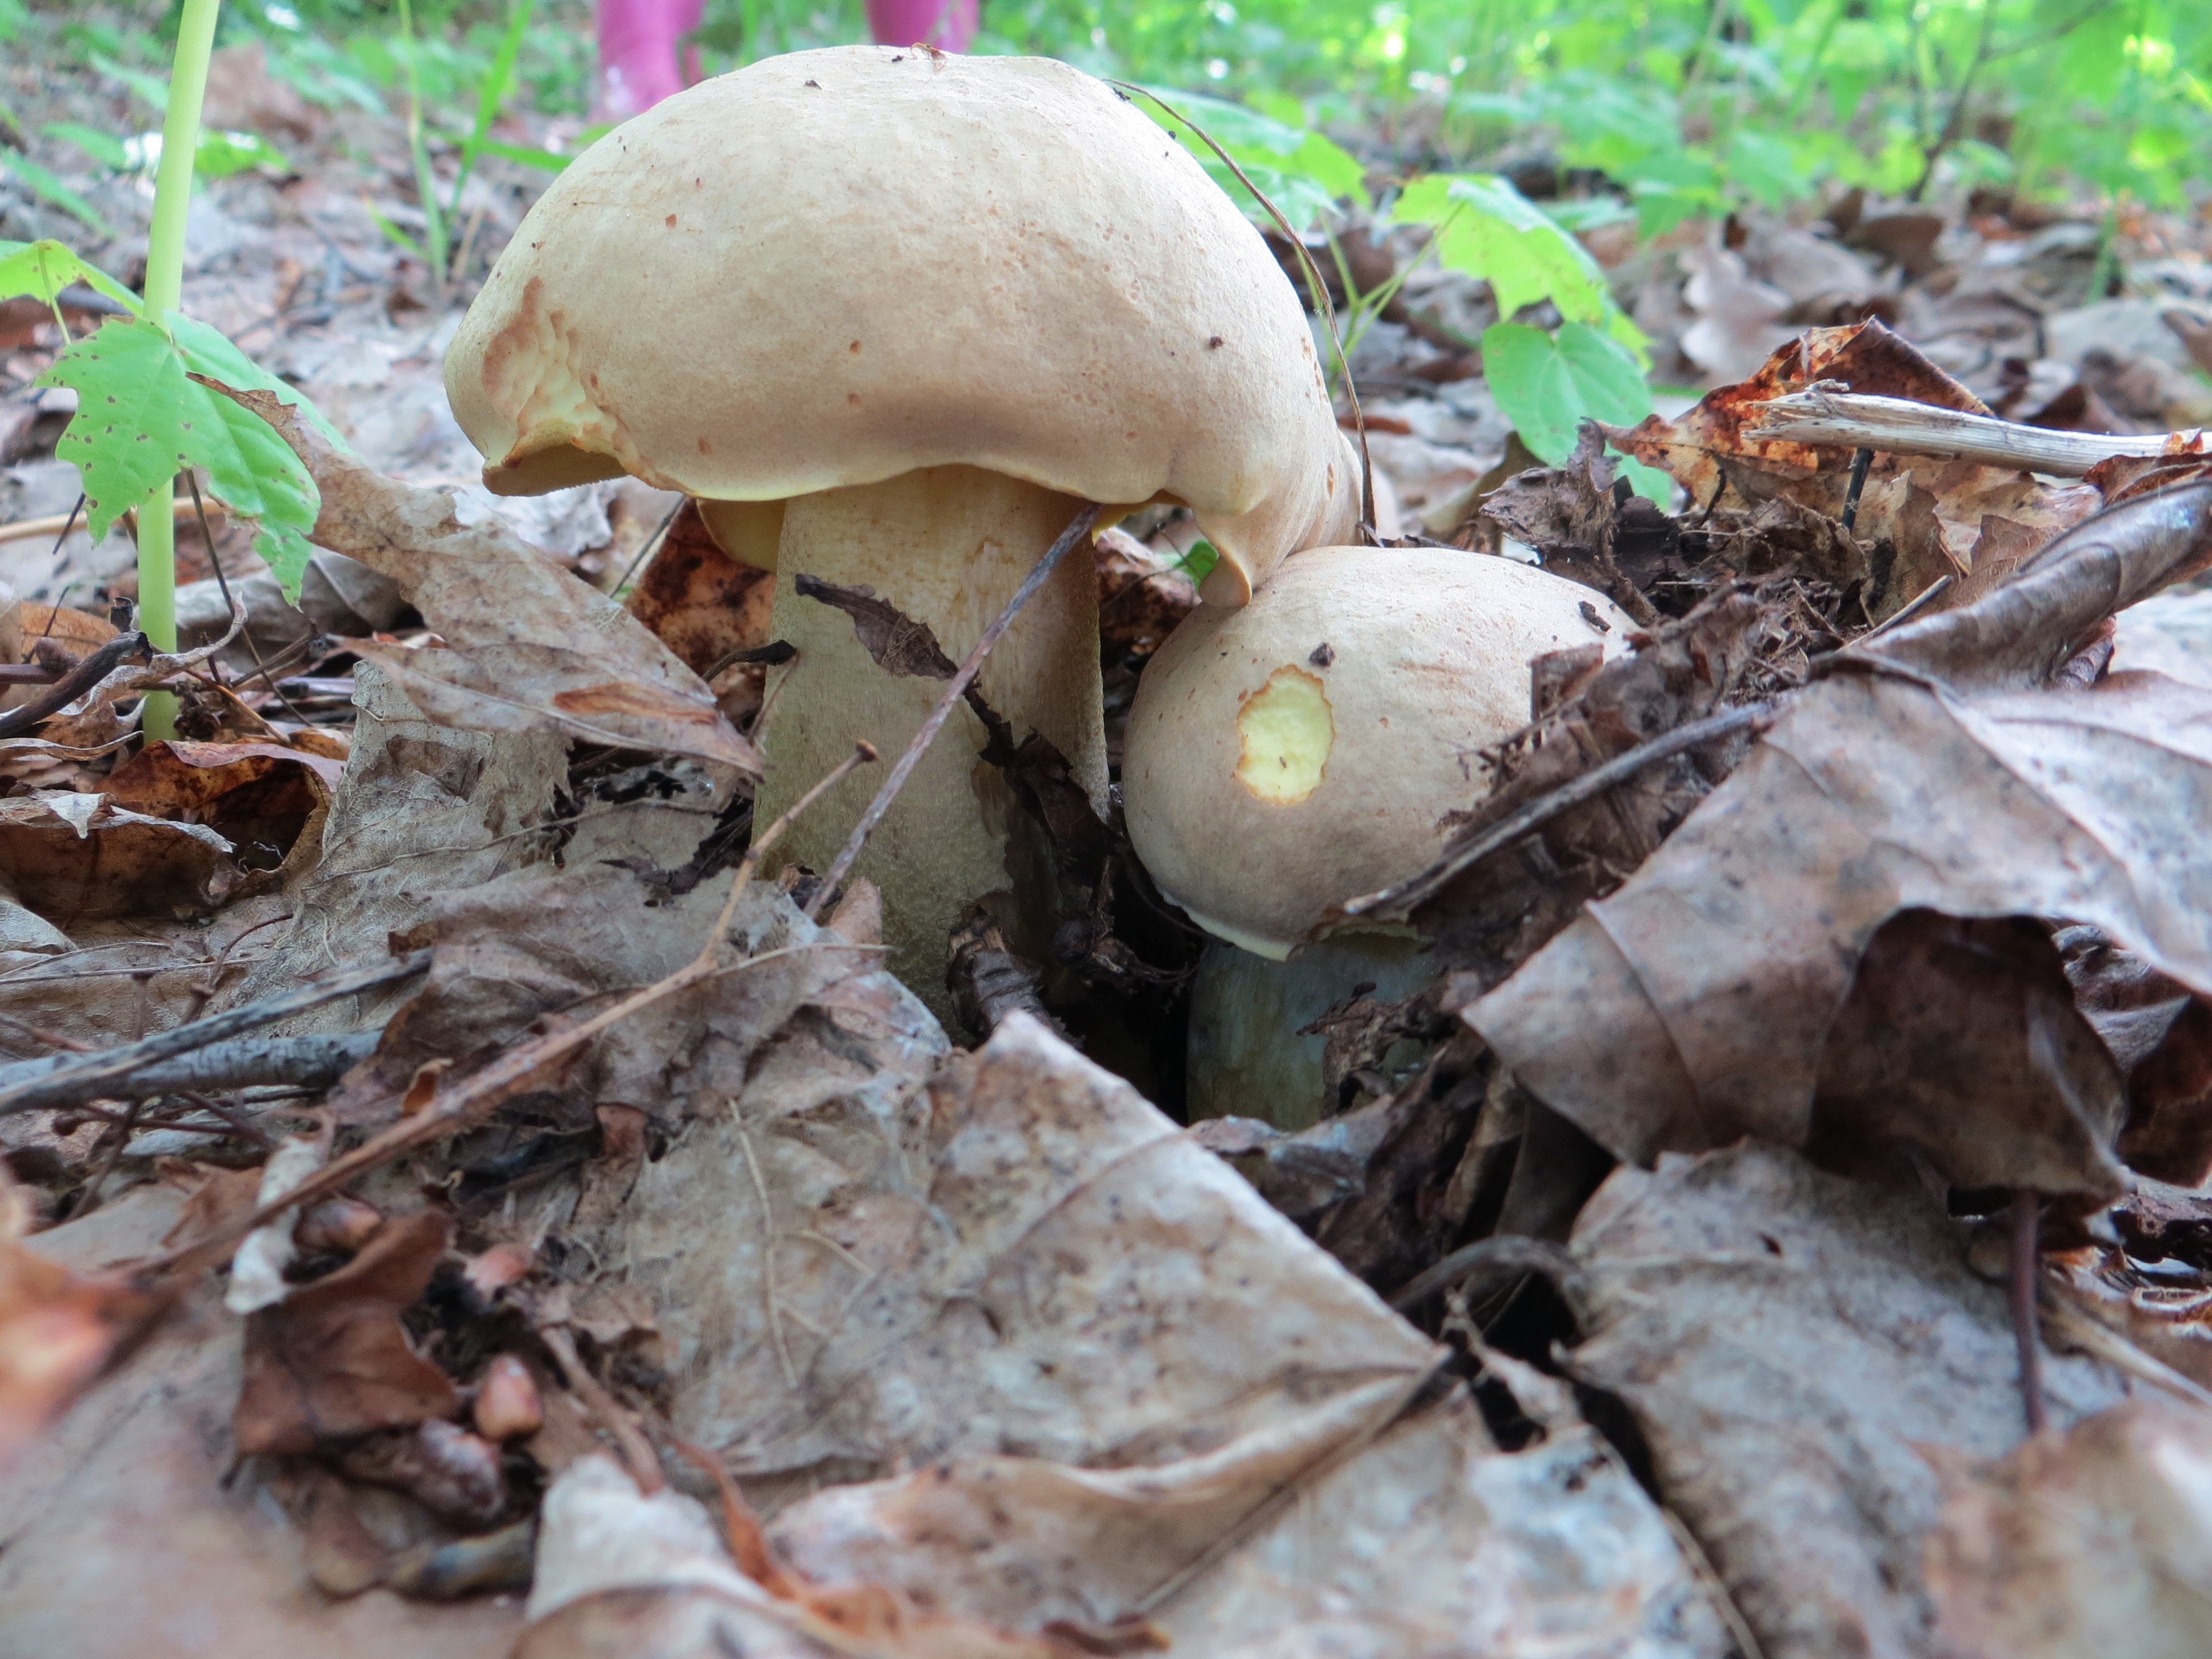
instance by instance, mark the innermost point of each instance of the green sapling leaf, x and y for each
(1548, 386)
(142, 418)
(43, 270)
(46, 186)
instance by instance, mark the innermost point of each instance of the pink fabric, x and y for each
(638, 62)
(950, 24)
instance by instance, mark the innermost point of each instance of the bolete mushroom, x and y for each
(1284, 758)
(893, 316)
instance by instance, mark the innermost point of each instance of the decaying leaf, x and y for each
(701, 603)
(2097, 1543)
(1790, 1343)
(1937, 517)
(1693, 1007)
(333, 1360)
(530, 645)
(80, 858)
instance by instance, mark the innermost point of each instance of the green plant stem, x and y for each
(165, 292)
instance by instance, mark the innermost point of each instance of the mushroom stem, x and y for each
(947, 546)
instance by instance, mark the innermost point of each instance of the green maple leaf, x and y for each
(142, 418)
(43, 270)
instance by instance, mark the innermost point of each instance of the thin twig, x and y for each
(89, 1074)
(484, 1090)
(651, 541)
(644, 1466)
(1573, 794)
(2027, 1216)
(955, 690)
(72, 685)
(1848, 420)
(1860, 461)
(222, 582)
(1505, 1254)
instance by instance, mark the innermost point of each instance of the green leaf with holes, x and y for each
(142, 419)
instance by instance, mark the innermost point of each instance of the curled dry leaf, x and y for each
(1789, 1343)
(2098, 1542)
(333, 1360)
(530, 645)
(1693, 1007)
(77, 858)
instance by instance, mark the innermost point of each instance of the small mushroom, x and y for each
(892, 317)
(1268, 779)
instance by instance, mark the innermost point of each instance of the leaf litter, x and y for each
(674, 1280)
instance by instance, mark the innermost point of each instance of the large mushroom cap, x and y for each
(836, 267)
(1283, 758)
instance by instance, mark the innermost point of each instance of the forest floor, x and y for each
(456, 1201)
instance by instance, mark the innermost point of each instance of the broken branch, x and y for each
(312, 1061)
(1845, 420)
(94, 1076)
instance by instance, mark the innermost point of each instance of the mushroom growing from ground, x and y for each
(894, 317)
(1284, 758)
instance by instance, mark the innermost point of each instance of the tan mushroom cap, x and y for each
(1284, 758)
(836, 267)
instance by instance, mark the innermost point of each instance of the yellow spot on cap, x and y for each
(1288, 732)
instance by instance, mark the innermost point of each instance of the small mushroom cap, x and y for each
(1284, 758)
(835, 267)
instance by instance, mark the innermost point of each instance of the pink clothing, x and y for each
(950, 24)
(639, 42)
(638, 64)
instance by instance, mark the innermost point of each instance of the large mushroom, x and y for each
(1284, 758)
(893, 316)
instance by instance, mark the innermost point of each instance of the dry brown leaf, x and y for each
(58, 1330)
(333, 1360)
(1788, 1343)
(702, 604)
(530, 644)
(1934, 514)
(1135, 1371)
(76, 858)
(1693, 1007)
(2100, 1542)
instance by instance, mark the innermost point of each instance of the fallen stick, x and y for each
(481, 1093)
(1542, 811)
(91, 1077)
(72, 685)
(313, 1062)
(955, 690)
(1848, 420)
(55, 523)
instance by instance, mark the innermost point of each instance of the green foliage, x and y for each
(46, 186)
(1305, 174)
(141, 415)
